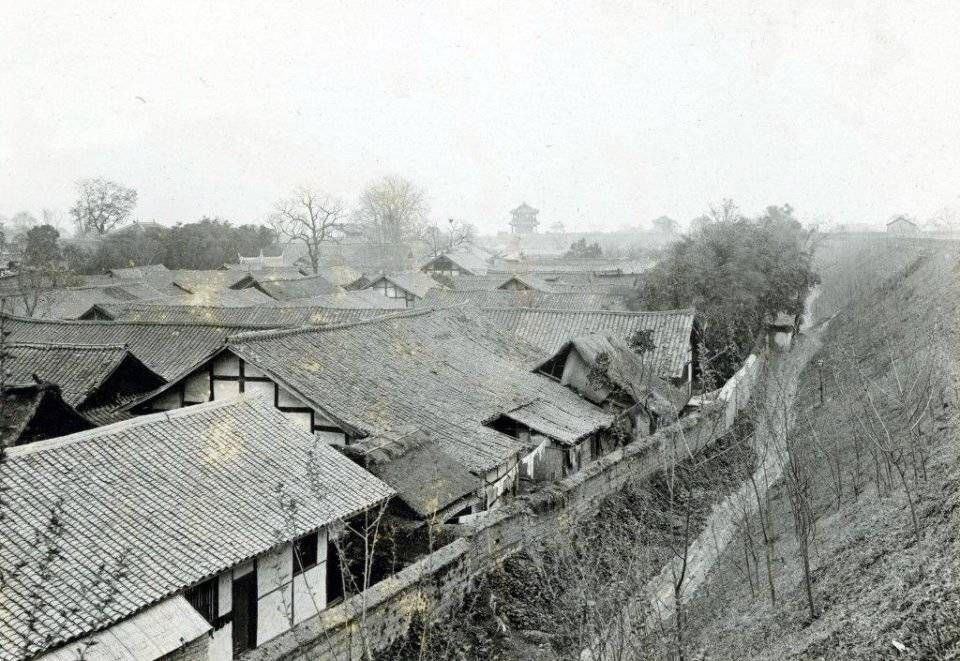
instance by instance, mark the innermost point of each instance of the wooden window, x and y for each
(205, 598)
(305, 553)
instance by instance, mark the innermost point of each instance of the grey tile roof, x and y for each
(524, 299)
(195, 282)
(414, 282)
(71, 302)
(257, 316)
(220, 297)
(284, 290)
(471, 259)
(175, 497)
(427, 480)
(558, 422)
(494, 281)
(446, 372)
(533, 264)
(78, 369)
(166, 348)
(552, 329)
(138, 272)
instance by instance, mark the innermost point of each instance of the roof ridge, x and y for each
(119, 285)
(139, 421)
(66, 346)
(608, 312)
(127, 322)
(272, 333)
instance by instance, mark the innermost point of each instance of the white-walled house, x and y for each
(209, 528)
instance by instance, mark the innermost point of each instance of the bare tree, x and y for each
(102, 205)
(457, 233)
(309, 217)
(392, 210)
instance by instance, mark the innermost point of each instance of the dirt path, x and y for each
(769, 443)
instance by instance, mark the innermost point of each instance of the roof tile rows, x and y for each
(550, 330)
(414, 282)
(524, 299)
(447, 372)
(71, 302)
(285, 290)
(212, 486)
(468, 258)
(77, 369)
(257, 316)
(166, 348)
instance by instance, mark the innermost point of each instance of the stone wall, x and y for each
(373, 620)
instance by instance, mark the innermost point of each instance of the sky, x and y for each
(600, 114)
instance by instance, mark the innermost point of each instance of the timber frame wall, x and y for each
(434, 584)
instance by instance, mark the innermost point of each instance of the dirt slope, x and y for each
(880, 589)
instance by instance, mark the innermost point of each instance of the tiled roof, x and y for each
(172, 498)
(426, 479)
(470, 259)
(71, 302)
(284, 290)
(415, 282)
(530, 264)
(557, 422)
(267, 272)
(138, 272)
(524, 299)
(552, 329)
(196, 282)
(525, 208)
(79, 370)
(166, 348)
(445, 372)
(219, 297)
(494, 281)
(257, 316)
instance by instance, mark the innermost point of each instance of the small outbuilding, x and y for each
(780, 331)
(902, 226)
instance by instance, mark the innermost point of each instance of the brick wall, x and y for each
(378, 617)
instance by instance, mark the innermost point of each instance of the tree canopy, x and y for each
(737, 272)
(581, 249)
(207, 244)
(102, 205)
(309, 217)
(392, 210)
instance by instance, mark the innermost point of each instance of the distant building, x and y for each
(902, 226)
(664, 225)
(524, 220)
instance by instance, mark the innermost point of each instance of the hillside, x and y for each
(878, 462)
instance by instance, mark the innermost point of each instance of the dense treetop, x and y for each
(737, 272)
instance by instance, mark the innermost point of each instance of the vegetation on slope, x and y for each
(879, 460)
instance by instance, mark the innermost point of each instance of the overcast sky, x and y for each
(599, 114)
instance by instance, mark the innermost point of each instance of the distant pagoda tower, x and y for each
(524, 219)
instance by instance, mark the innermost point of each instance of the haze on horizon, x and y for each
(600, 114)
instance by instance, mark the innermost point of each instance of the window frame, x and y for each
(296, 550)
(212, 586)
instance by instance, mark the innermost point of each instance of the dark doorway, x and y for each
(244, 613)
(334, 575)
